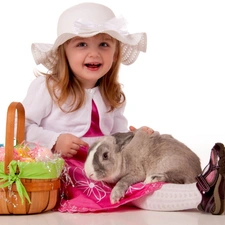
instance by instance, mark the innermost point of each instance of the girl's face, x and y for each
(91, 58)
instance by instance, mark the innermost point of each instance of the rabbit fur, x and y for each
(132, 157)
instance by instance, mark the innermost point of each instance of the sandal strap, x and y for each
(202, 183)
(221, 153)
(222, 166)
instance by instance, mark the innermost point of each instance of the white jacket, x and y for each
(45, 121)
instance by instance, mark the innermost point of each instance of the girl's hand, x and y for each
(68, 145)
(148, 130)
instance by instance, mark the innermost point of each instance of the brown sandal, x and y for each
(211, 183)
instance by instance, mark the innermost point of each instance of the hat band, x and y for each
(115, 24)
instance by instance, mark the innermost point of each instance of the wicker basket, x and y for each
(43, 193)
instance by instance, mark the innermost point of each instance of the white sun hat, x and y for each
(86, 20)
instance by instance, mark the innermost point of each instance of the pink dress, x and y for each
(80, 194)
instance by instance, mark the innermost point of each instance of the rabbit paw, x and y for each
(155, 178)
(116, 195)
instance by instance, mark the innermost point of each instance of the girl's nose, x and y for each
(93, 52)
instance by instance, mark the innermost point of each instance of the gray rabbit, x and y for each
(132, 157)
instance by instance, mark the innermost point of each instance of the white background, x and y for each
(177, 87)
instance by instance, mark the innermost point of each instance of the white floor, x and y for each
(125, 216)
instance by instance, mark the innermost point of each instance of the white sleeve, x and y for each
(38, 105)
(120, 121)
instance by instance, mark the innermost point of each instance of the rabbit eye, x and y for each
(105, 156)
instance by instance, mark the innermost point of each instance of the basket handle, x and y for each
(10, 125)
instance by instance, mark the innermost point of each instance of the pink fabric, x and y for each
(94, 129)
(84, 195)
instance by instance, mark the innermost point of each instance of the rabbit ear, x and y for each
(122, 139)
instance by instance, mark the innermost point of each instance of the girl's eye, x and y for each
(104, 44)
(82, 44)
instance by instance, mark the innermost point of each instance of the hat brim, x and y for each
(132, 44)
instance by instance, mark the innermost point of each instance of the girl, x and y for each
(80, 99)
